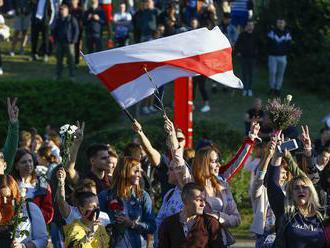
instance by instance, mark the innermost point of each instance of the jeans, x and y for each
(276, 66)
(36, 28)
(247, 67)
(200, 81)
(94, 44)
(64, 50)
(56, 236)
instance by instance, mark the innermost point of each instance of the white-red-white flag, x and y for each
(200, 51)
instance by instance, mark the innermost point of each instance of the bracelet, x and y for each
(307, 148)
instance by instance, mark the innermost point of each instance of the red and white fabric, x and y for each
(201, 51)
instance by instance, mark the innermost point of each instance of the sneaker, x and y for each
(11, 54)
(46, 58)
(205, 109)
(145, 110)
(1, 71)
(245, 92)
(249, 93)
(34, 57)
(152, 109)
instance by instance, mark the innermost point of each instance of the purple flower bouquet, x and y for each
(282, 114)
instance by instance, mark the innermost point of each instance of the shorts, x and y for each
(22, 22)
(107, 8)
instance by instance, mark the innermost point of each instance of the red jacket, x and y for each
(44, 202)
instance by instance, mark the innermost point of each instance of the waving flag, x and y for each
(200, 51)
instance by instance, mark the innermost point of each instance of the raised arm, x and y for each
(63, 206)
(11, 143)
(233, 166)
(307, 161)
(257, 186)
(70, 166)
(292, 165)
(181, 170)
(274, 191)
(153, 155)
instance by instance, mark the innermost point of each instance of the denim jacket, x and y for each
(138, 209)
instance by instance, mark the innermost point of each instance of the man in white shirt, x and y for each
(122, 23)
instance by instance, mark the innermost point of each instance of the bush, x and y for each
(57, 103)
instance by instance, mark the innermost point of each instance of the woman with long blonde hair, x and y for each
(208, 172)
(299, 222)
(128, 206)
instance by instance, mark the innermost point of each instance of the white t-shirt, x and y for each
(30, 189)
(4, 32)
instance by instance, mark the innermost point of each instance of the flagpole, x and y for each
(128, 114)
(160, 100)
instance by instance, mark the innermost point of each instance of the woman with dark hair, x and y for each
(37, 187)
(128, 206)
(47, 161)
(31, 232)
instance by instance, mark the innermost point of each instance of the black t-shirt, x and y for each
(101, 184)
(304, 232)
(161, 175)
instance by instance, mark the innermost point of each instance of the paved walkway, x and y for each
(243, 243)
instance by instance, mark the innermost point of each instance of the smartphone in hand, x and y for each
(290, 145)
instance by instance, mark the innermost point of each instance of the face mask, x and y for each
(93, 213)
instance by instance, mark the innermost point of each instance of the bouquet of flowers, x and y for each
(67, 135)
(19, 218)
(282, 114)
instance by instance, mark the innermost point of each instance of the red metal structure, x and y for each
(183, 107)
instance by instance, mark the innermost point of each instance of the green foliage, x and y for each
(57, 103)
(240, 188)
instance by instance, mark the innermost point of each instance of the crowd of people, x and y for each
(68, 26)
(180, 197)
